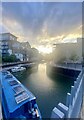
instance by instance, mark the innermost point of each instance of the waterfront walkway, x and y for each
(68, 66)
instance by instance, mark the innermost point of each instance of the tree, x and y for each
(74, 57)
(13, 58)
(62, 60)
(9, 58)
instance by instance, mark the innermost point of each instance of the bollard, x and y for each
(75, 85)
(79, 79)
(68, 99)
(75, 88)
(72, 95)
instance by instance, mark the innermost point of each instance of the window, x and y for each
(4, 51)
(4, 43)
(12, 37)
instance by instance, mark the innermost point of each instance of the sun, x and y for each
(45, 49)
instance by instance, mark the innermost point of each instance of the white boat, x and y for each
(18, 68)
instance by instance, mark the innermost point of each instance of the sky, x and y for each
(42, 23)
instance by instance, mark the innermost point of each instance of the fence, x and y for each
(73, 101)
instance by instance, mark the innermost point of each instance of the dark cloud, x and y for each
(55, 18)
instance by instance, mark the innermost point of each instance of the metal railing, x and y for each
(74, 100)
(75, 66)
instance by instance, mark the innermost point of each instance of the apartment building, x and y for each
(6, 43)
(9, 45)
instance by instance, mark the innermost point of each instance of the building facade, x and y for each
(6, 43)
(9, 45)
(69, 51)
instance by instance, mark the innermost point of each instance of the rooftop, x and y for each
(9, 34)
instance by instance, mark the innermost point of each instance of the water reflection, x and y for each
(49, 90)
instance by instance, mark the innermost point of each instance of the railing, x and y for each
(73, 101)
(75, 66)
(14, 63)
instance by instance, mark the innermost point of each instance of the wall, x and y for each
(67, 71)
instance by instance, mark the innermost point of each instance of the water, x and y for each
(48, 90)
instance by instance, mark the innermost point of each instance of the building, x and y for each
(69, 51)
(26, 50)
(9, 45)
(18, 50)
(6, 43)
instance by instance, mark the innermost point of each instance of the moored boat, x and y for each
(17, 101)
(18, 68)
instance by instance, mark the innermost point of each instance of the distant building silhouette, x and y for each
(69, 51)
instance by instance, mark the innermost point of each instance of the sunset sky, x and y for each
(42, 24)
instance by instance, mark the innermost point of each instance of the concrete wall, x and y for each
(70, 72)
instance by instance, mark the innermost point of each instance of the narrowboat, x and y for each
(17, 101)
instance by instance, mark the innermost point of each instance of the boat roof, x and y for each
(14, 92)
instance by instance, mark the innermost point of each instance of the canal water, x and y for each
(48, 89)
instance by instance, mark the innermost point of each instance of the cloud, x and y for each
(43, 0)
(42, 23)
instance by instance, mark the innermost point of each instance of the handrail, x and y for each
(73, 100)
